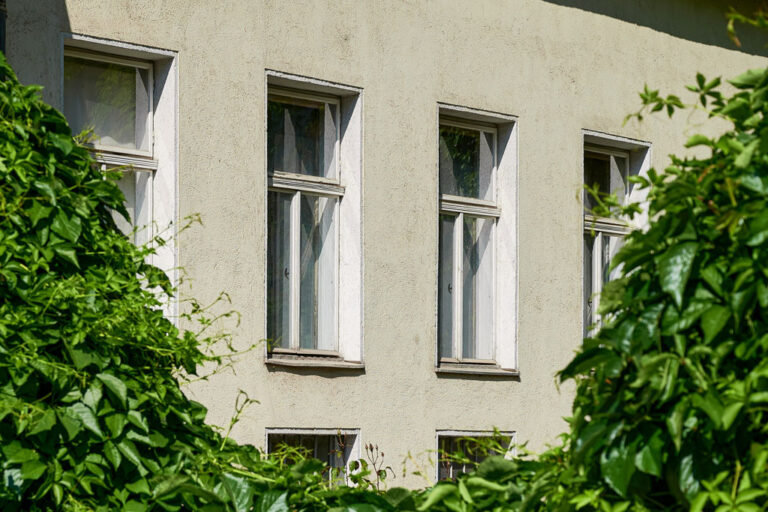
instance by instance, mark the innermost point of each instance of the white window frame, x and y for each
(155, 170)
(352, 455)
(503, 238)
(127, 62)
(458, 207)
(346, 187)
(637, 156)
(510, 453)
(296, 185)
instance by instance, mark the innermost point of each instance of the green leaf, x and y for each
(32, 470)
(713, 320)
(239, 490)
(437, 494)
(87, 417)
(674, 267)
(15, 453)
(116, 423)
(112, 454)
(400, 498)
(650, 457)
(68, 254)
(675, 421)
(617, 465)
(273, 500)
(748, 79)
(730, 413)
(586, 361)
(115, 385)
(129, 451)
(46, 422)
(699, 140)
(63, 142)
(135, 506)
(711, 405)
(67, 227)
(37, 212)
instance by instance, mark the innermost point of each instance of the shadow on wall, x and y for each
(33, 43)
(701, 21)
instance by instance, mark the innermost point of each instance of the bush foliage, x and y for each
(672, 392)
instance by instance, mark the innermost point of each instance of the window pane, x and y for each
(301, 137)
(127, 185)
(111, 99)
(477, 300)
(596, 172)
(466, 162)
(317, 308)
(610, 246)
(278, 268)
(333, 450)
(462, 454)
(608, 172)
(445, 284)
(589, 243)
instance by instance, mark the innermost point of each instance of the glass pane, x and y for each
(608, 172)
(462, 454)
(317, 308)
(445, 286)
(596, 172)
(610, 246)
(111, 99)
(278, 269)
(301, 137)
(477, 300)
(618, 177)
(589, 319)
(466, 162)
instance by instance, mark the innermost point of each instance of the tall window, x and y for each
(113, 97)
(303, 221)
(468, 218)
(607, 170)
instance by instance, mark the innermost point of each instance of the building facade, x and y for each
(391, 192)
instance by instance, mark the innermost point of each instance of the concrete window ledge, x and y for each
(314, 362)
(479, 370)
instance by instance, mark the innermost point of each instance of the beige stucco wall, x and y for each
(559, 69)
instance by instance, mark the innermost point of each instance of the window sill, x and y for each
(296, 360)
(476, 369)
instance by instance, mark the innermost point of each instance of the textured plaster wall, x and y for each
(556, 66)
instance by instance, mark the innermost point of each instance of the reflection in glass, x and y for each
(477, 298)
(111, 99)
(445, 283)
(301, 137)
(317, 260)
(608, 172)
(466, 162)
(589, 319)
(472, 453)
(333, 450)
(278, 268)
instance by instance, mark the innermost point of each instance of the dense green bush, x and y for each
(91, 412)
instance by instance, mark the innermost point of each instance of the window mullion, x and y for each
(295, 268)
(458, 285)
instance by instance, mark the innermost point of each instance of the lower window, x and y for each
(465, 300)
(461, 452)
(301, 271)
(136, 186)
(335, 448)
